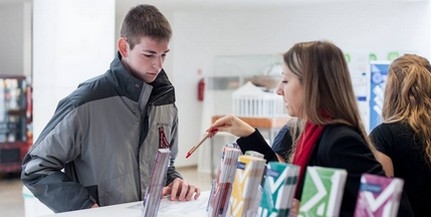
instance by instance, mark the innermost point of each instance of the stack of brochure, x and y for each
(245, 192)
(378, 196)
(322, 191)
(218, 202)
(254, 154)
(278, 189)
(153, 193)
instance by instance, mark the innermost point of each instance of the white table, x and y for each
(194, 208)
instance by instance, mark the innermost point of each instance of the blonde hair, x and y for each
(408, 96)
(325, 77)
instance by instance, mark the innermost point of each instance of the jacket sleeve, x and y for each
(172, 172)
(256, 142)
(56, 146)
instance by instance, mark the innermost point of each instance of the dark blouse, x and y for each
(282, 142)
(406, 151)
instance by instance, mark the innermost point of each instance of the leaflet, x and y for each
(322, 192)
(153, 193)
(278, 189)
(379, 196)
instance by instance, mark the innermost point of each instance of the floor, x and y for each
(12, 202)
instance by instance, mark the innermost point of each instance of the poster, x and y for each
(378, 75)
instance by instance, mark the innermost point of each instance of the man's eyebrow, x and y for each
(154, 52)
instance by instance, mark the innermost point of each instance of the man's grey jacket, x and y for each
(105, 135)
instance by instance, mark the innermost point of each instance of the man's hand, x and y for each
(95, 205)
(182, 190)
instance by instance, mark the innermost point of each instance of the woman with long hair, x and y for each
(317, 88)
(403, 139)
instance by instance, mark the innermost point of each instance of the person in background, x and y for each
(106, 133)
(403, 139)
(285, 140)
(316, 87)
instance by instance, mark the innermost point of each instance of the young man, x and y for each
(105, 135)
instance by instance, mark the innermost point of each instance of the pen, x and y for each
(193, 149)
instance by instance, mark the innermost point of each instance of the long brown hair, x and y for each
(323, 72)
(296, 125)
(408, 96)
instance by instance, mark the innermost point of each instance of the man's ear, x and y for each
(122, 46)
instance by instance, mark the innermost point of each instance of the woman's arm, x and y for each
(386, 163)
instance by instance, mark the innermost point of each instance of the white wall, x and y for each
(73, 41)
(201, 35)
(15, 45)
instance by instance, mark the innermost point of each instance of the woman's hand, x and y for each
(294, 210)
(231, 124)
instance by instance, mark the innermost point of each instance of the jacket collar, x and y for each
(124, 79)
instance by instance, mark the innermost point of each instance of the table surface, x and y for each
(194, 208)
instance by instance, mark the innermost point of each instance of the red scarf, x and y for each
(305, 146)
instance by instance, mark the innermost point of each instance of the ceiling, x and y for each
(209, 4)
(233, 4)
(174, 3)
(184, 4)
(125, 5)
(196, 2)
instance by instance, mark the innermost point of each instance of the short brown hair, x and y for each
(145, 20)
